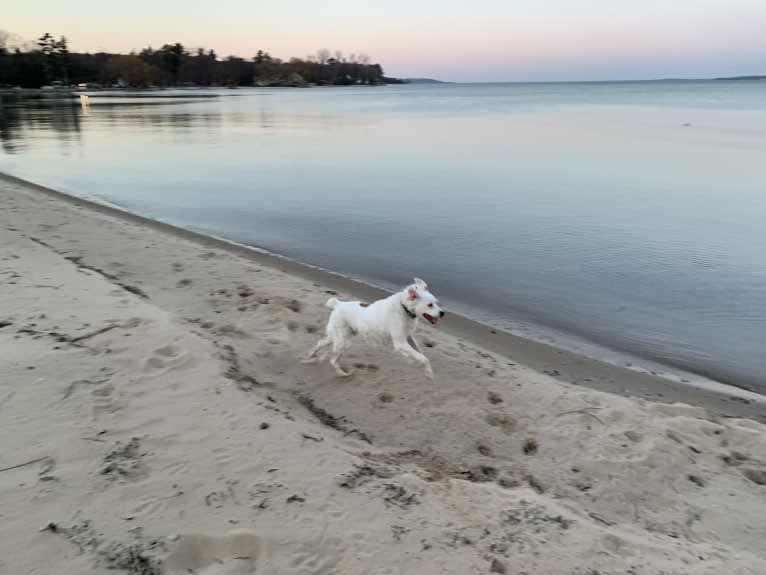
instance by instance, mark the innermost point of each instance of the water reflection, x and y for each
(31, 123)
(20, 115)
(155, 119)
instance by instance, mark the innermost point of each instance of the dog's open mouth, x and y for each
(430, 319)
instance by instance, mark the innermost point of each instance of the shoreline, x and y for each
(74, 92)
(561, 364)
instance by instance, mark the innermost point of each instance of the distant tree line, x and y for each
(50, 62)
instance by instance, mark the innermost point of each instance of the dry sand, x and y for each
(155, 419)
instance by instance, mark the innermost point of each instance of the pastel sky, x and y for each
(465, 40)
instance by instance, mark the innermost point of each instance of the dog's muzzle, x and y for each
(431, 319)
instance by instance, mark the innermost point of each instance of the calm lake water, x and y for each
(629, 215)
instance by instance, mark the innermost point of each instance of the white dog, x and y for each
(394, 317)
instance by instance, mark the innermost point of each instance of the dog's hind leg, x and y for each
(338, 347)
(319, 347)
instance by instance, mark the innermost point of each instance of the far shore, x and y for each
(75, 91)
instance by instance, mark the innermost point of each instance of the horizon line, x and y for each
(752, 77)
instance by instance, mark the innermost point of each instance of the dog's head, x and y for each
(422, 302)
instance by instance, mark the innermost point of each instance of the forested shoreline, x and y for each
(48, 62)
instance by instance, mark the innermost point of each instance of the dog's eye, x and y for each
(430, 305)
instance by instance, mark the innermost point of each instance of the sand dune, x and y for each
(156, 420)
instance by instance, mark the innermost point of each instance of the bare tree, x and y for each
(323, 55)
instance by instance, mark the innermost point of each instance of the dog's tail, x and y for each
(332, 302)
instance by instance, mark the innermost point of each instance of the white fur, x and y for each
(384, 318)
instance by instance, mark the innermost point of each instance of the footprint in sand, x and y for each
(231, 331)
(633, 436)
(502, 420)
(166, 358)
(105, 401)
(321, 556)
(241, 552)
(229, 554)
(177, 468)
(245, 291)
(494, 398)
(168, 351)
(615, 545)
(367, 366)
(484, 449)
(292, 304)
(151, 505)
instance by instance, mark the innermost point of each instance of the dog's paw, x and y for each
(429, 372)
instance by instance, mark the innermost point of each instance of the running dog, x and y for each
(394, 318)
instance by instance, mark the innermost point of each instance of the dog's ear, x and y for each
(420, 283)
(412, 293)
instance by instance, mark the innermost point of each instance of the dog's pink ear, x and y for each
(412, 292)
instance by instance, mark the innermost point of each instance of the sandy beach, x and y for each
(156, 420)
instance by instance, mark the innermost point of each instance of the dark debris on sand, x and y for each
(398, 496)
(124, 460)
(234, 372)
(134, 558)
(77, 260)
(393, 493)
(338, 423)
(361, 474)
(480, 474)
(533, 515)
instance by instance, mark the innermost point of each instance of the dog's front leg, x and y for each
(403, 347)
(413, 344)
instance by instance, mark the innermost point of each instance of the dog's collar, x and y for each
(409, 312)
